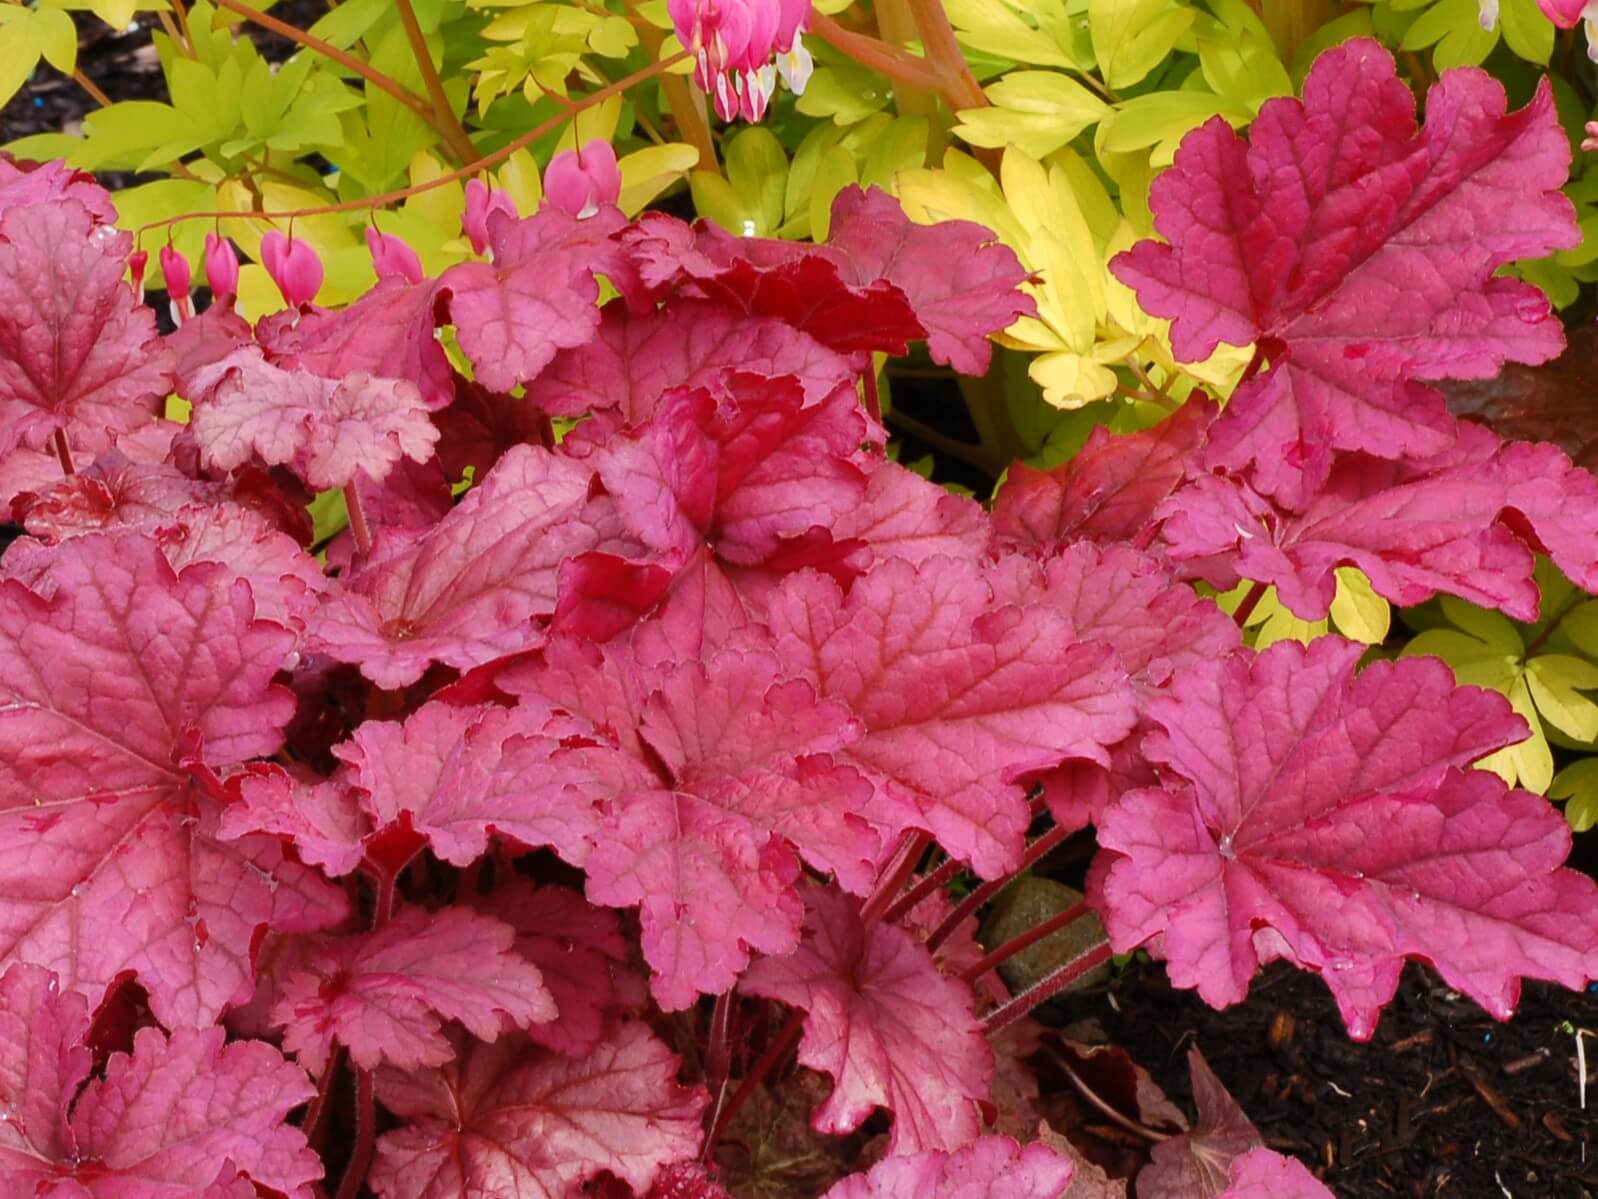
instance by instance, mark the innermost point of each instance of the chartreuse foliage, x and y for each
(578, 762)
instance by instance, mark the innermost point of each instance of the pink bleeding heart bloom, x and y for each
(480, 201)
(137, 261)
(221, 268)
(392, 258)
(1566, 13)
(581, 181)
(295, 267)
(740, 48)
(175, 268)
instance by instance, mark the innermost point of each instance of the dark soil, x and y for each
(1443, 1101)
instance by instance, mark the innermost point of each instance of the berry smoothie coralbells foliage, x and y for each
(579, 790)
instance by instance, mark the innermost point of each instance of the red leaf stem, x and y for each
(967, 906)
(1047, 988)
(1016, 944)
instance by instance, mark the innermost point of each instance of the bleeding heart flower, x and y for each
(295, 267)
(137, 261)
(221, 268)
(392, 258)
(741, 47)
(175, 268)
(581, 181)
(480, 201)
(1565, 14)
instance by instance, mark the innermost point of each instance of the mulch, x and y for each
(1443, 1100)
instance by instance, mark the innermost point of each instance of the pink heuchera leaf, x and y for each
(325, 821)
(742, 466)
(325, 430)
(185, 1115)
(1312, 815)
(387, 333)
(715, 780)
(904, 516)
(509, 1121)
(960, 694)
(1197, 1164)
(537, 296)
(801, 285)
(113, 692)
(1415, 528)
(989, 1168)
(1126, 599)
(1360, 256)
(1265, 1174)
(468, 590)
(77, 351)
(885, 1023)
(43, 1062)
(632, 361)
(284, 580)
(1107, 493)
(384, 994)
(961, 281)
(109, 493)
(480, 425)
(450, 776)
(581, 953)
(24, 182)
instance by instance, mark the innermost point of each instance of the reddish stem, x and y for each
(959, 87)
(365, 1121)
(873, 400)
(1006, 951)
(926, 885)
(718, 1053)
(988, 890)
(780, 1044)
(1254, 364)
(446, 122)
(359, 529)
(315, 1125)
(1250, 602)
(899, 65)
(1047, 988)
(892, 880)
(62, 453)
(385, 198)
(348, 61)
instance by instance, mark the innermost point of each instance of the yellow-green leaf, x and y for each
(1357, 611)
(1555, 682)
(1529, 34)
(1132, 37)
(1577, 787)
(1036, 111)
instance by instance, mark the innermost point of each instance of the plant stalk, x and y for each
(454, 176)
(1046, 988)
(1022, 941)
(968, 906)
(446, 121)
(348, 61)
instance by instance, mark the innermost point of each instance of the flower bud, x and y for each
(480, 201)
(221, 268)
(392, 258)
(175, 268)
(295, 267)
(581, 181)
(137, 262)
